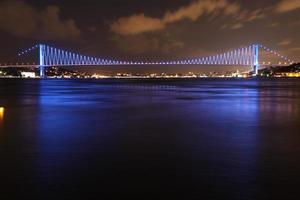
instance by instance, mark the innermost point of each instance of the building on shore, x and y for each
(28, 74)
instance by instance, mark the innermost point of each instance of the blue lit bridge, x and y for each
(246, 56)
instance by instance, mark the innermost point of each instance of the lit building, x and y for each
(28, 74)
(288, 74)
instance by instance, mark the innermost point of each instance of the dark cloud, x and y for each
(156, 29)
(147, 43)
(136, 44)
(26, 21)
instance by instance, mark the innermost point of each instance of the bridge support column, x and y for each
(256, 59)
(42, 72)
(255, 70)
(42, 61)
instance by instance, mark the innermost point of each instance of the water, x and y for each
(150, 139)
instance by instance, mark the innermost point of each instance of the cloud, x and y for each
(171, 46)
(295, 23)
(293, 52)
(287, 5)
(92, 29)
(147, 43)
(297, 49)
(136, 24)
(139, 23)
(237, 26)
(197, 9)
(285, 42)
(273, 25)
(26, 21)
(136, 44)
(249, 16)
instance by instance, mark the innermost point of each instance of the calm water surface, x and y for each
(150, 139)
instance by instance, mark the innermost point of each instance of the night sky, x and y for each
(156, 29)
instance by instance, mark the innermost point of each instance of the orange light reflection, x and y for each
(2, 110)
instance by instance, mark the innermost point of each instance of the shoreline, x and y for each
(149, 78)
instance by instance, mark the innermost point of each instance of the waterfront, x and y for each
(150, 139)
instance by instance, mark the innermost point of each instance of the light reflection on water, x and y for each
(229, 139)
(2, 113)
(2, 110)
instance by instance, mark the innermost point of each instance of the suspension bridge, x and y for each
(248, 56)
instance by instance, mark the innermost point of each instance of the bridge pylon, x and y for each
(41, 60)
(255, 66)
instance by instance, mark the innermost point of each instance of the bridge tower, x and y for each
(255, 59)
(41, 60)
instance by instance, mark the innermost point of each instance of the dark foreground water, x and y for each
(150, 139)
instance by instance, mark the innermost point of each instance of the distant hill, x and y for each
(277, 70)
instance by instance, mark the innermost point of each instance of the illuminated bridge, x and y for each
(245, 56)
